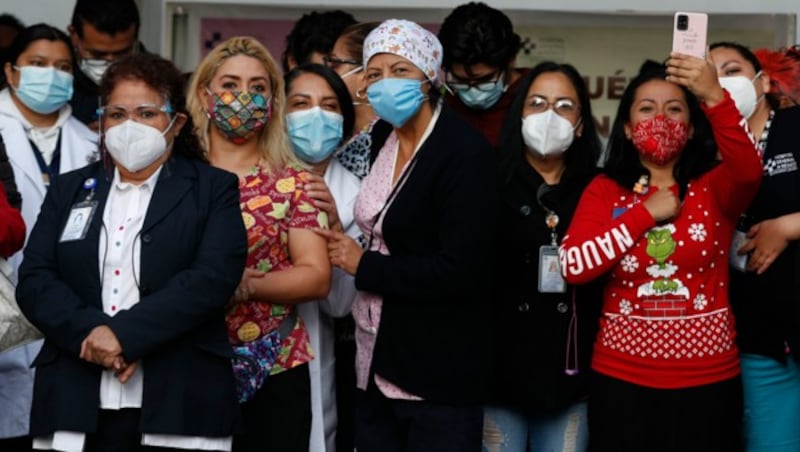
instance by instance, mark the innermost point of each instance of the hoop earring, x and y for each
(360, 93)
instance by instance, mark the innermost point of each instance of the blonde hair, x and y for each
(273, 141)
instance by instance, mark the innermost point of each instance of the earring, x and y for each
(360, 93)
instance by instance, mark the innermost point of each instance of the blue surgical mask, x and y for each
(43, 89)
(396, 100)
(481, 98)
(314, 133)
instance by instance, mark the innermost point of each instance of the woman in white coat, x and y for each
(319, 114)
(42, 139)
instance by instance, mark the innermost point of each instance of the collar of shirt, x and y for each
(149, 183)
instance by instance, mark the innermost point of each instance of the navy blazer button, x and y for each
(562, 308)
(525, 210)
(524, 307)
(146, 290)
(527, 257)
(146, 238)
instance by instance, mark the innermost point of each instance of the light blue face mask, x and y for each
(43, 89)
(396, 100)
(314, 133)
(483, 98)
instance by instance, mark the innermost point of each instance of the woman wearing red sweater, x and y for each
(658, 226)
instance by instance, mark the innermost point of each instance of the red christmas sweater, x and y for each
(666, 319)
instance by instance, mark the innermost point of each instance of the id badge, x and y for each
(735, 260)
(550, 279)
(80, 217)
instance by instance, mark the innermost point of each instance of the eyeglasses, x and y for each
(333, 62)
(145, 113)
(562, 107)
(487, 84)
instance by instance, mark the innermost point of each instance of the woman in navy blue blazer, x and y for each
(127, 273)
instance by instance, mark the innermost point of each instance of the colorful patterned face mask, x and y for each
(239, 114)
(660, 139)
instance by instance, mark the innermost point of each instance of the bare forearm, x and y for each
(291, 286)
(790, 224)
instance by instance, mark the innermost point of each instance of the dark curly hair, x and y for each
(314, 32)
(476, 33)
(163, 77)
(698, 156)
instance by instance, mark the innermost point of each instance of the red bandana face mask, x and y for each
(660, 139)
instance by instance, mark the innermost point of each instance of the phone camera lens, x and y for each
(683, 22)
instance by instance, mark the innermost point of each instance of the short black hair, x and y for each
(582, 155)
(337, 85)
(697, 157)
(107, 16)
(7, 20)
(35, 33)
(314, 32)
(476, 33)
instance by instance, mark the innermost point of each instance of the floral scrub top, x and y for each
(271, 204)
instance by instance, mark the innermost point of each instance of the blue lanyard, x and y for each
(48, 171)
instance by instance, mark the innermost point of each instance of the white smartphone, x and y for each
(689, 33)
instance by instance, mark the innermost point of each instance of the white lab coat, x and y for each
(78, 145)
(318, 317)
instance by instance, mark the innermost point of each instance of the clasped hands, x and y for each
(101, 347)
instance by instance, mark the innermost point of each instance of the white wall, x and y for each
(588, 6)
(54, 12)
(780, 18)
(156, 23)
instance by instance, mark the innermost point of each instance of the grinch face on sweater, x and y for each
(660, 245)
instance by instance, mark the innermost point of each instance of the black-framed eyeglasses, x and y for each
(333, 62)
(562, 107)
(486, 84)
